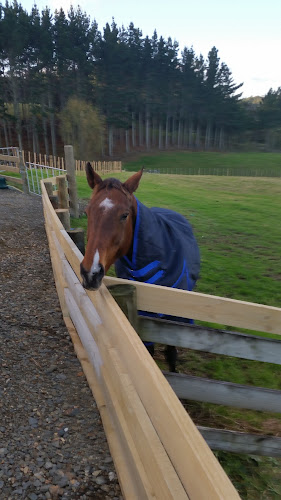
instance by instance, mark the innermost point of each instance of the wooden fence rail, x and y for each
(225, 393)
(11, 155)
(219, 310)
(9, 163)
(157, 450)
(103, 167)
(46, 160)
(202, 338)
(80, 166)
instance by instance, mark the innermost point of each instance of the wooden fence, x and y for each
(219, 310)
(46, 160)
(11, 161)
(80, 166)
(103, 167)
(157, 450)
(24, 162)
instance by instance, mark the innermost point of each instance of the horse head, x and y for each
(111, 217)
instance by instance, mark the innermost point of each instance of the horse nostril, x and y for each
(92, 280)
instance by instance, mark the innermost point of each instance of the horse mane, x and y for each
(112, 183)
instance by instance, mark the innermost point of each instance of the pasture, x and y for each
(206, 163)
(236, 223)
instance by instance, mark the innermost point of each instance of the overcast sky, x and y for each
(247, 33)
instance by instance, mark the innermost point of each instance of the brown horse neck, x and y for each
(134, 210)
(134, 217)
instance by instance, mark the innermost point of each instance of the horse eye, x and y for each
(124, 216)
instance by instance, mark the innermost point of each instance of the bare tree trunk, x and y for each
(216, 138)
(127, 139)
(110, 140)
(153, 132)
(208, 136)
(35, 141)
(174, 132)
(52, 125)
(5, 133)
(160, 145)
(198, 132)
(45, 133)
(167, 132)
(221, 139)
(190, 134)
(179, 133)
(133, 130)
(10, 134)
(140, 130)
(147, 129)
(16, 109)
(185, 133)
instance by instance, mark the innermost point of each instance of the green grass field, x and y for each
(236, 222)
(237, 225)
(206, 163)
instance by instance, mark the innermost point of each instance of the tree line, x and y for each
(62, 80)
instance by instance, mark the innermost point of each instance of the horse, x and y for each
(152, 245)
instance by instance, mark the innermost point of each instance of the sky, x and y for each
(247, 33)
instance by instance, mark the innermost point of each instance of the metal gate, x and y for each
(36, 172)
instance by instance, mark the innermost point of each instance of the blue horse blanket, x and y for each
(165, 251)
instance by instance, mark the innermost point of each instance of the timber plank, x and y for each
(212, 340)
(128, 446)
(241, 442)
(152, 455)
(181, 303)
(56, 265)
(126, 479)
(8, 158)
(135, 467)
(199, 471)
(107, 339)
(224, 393)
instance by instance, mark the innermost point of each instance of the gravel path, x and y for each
(52, 443)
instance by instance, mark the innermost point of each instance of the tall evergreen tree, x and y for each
(148, 95)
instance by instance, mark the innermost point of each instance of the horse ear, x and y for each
(132, 183)
(92, 177)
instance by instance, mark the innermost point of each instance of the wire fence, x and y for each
(35, 173)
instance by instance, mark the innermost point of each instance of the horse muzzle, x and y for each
(92, 280)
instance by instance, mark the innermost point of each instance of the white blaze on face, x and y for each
(95, 266)
(107, 204)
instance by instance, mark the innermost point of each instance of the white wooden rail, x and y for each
(157, 450)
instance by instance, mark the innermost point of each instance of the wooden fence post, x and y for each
(53, 199)
(77, 235)
(71, 177)
(23, 173)
(62, 191)
(63, 215)
(126, 298)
